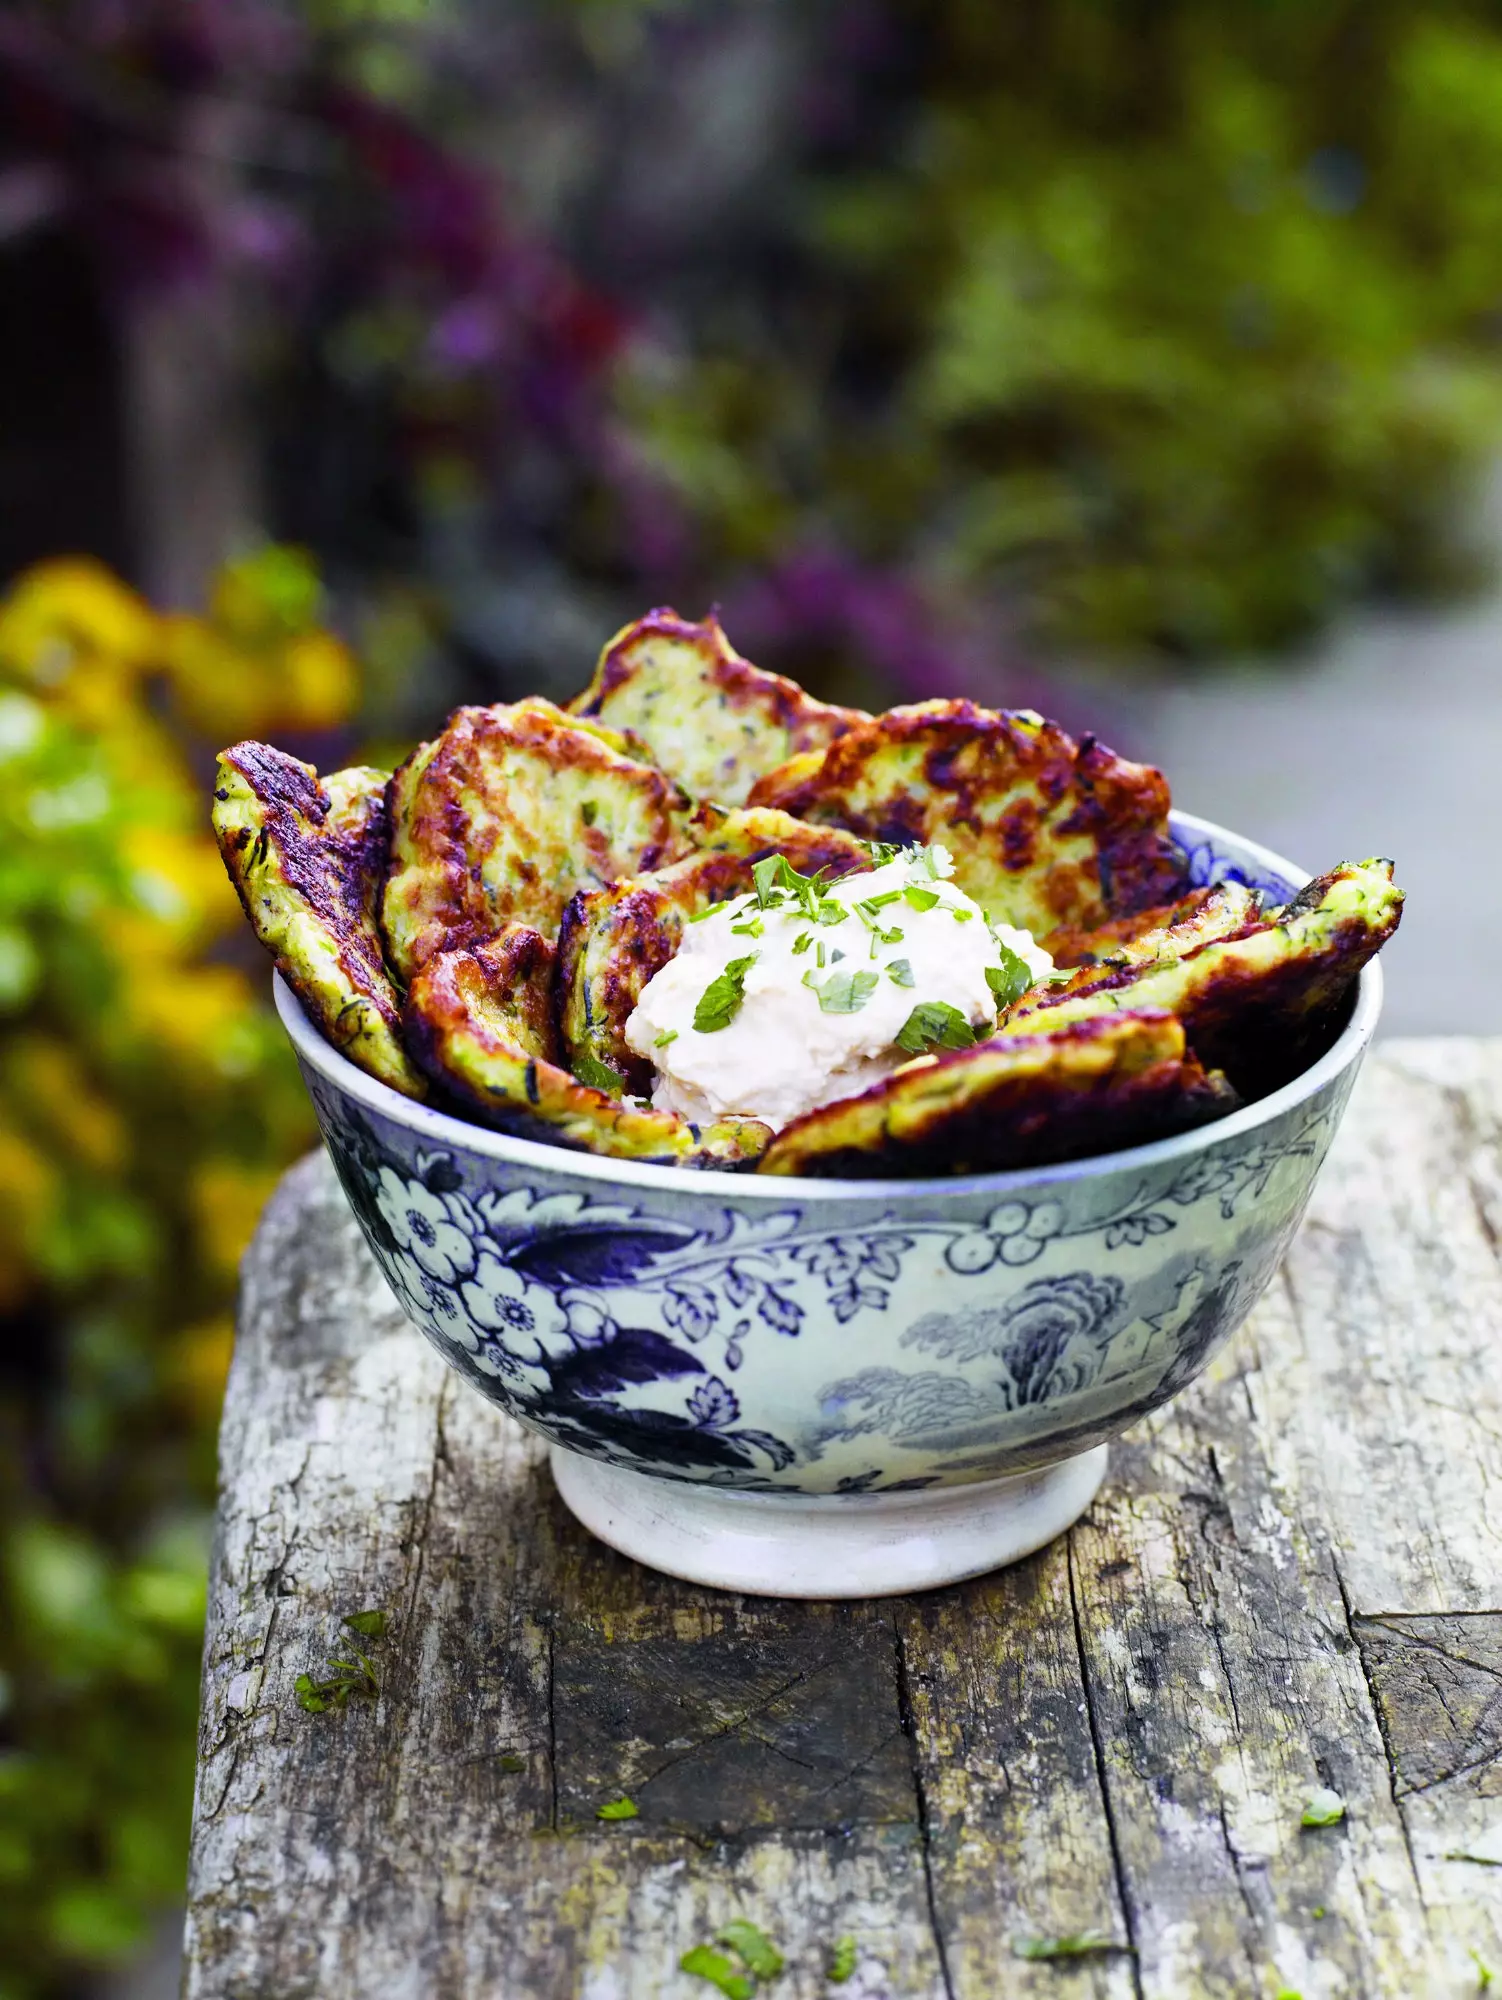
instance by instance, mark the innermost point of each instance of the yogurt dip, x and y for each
(806, 991)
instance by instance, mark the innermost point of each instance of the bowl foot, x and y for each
(826, 1545)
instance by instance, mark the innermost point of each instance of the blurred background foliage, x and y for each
(938, 341)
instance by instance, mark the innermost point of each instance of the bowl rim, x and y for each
(442, 1129)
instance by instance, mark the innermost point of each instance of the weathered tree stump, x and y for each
(1292, 1580)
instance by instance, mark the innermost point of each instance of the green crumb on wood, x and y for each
(621, 1808)
(707, 1963)
(841, 1961)
(1073, 1944)
(1323, 1808)
(511, 1762)
(753, 1947)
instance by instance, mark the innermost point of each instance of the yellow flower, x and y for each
(48, 1084)
(74, 632)
(227, 1196)
(30, 1193)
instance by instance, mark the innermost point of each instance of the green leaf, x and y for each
(1010, 979)
(753, 1946)
(1484, 1973)
(935, 1024)
(621, 1808)
(841, 1961)
(1324, 1808)
(1074, 1944)
(707, 1963)
(843, 992)
(721, 1000)
(589, 812)
(597, 1075)
(921, 899)
(369, 1624)
(933, 864)
(882, 851)
(668, 1035)
(753, 927)
(900, 972)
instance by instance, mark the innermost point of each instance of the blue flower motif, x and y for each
(1017, 1232)
(712, 1405)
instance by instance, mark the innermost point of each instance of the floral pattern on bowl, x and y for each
(829, 1337)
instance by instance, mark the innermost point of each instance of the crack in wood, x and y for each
(1118, 1860)
(920, 1794)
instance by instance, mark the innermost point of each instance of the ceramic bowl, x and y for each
(832, 1388)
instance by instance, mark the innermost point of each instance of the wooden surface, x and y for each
(1292, 1578)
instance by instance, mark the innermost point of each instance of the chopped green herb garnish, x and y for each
(589, 812)
(766, 874)
(699, 915)
(753, 927)
(900, 972)
(921, 899)
(835, 955)
(597, 1075)
(774, 875)
(369, 1624)
(933, 864)
(714, 1966)
(621, 1808)
(721, 1000)
(934, 1024)
(1074, 1944)
(828, 911)
(802, 942)
(843, 992)
(668, 1035)
(882, 851)
(820, 959)
(1324, 1808)
(1484, 1973)
(753, 1947)
(1009, 980)
(962, 916)
(841, 1961)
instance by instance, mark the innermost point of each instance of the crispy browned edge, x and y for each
(810, 723)
(645, 919)
(1075, 945)
(1121, 805)
(479, 1019)
(1152, 1086)
(435, 821)
(335, 864)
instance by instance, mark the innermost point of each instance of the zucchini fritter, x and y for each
(1016, 1100)
(1215, 912)
(613, 940)
(1044, 831)
(307, 859)
(1253, 1003)
(710, 717)
(504, 815)
(480, 1021)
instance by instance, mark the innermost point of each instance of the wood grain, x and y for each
(1292, 1579)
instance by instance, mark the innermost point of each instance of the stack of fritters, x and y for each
(478, 927)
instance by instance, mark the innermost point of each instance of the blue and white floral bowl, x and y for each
(833, 1388)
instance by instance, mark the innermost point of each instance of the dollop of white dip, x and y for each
(802, 992)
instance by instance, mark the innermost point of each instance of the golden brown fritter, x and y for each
(307, 859)
(711, 718)
(1044, 831)
(1017, 1100)
(504, 816)
(1254, 1003)
(480, 1021)
(613, 940)
(1225, 908)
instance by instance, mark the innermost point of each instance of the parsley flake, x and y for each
(933, 864)
(1009, 980)
(841, 1961)
(900, 972)
(621, 1808)
(802, 942)
(721, 999)
(597, 1075)
(921, 899)
(589, 812)
(1074, 1944)
(753, 927)
(752, 1947)
(707, 1963)
(1324, 1808)
(668, 1035)
(843, 992)
(934, 1024)
(882, 851)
